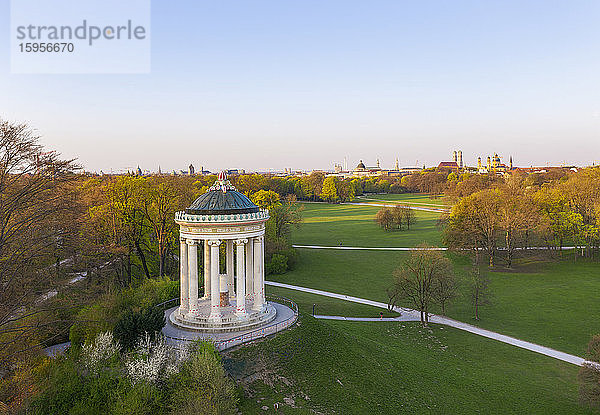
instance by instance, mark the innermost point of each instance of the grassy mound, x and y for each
(358, 368)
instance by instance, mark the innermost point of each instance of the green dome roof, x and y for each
(222, 199)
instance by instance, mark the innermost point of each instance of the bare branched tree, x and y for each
(418, 280)
(34, 189)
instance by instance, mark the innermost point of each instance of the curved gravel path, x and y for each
(413, 315)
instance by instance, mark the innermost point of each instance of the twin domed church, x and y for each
(233, 286)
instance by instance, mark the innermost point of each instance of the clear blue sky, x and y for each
(301, 84)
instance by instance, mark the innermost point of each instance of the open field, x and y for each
(545, 302)
(365, 274)
(351, 225)
(359, 368)
(551, 303)
(416, 199)
(386, 367)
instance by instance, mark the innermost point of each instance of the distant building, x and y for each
(235, 171)
(494, 165)
(363, 171)
(448, 165)
(191, 170)
(455, 164)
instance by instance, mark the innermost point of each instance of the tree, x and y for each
(409, 216)
(385, 218)
(445, 290)
(284, 216)
(589, 375)
(474, 223)
(35, 190)
(265, 199)
(480, 291)
(419, 279)
(345, 190)
(315, 182)
(329, 192)
(517, 215)
(398, 214)
(123, 211)
(162, 199)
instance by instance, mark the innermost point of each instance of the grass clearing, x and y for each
(351, 225)
(416, 199)
(552, 303)
(326, 305)
(380, 368)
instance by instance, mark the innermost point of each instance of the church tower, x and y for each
(510, 162)
(478, 163)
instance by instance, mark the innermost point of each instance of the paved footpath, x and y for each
(414, 316)
(391, 205)
(402, 317)
(410, 248)
(424, 209)
(366, 248)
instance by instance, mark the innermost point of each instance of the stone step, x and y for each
(227, 324)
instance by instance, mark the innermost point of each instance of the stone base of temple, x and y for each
(229, 319)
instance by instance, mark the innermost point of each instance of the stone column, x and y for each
(206, 268)
(241, 279)
(230, 271)
(257, 290)
(249, 267)
(184, 293)
(215, 308)
(193, 276)
(262, 269)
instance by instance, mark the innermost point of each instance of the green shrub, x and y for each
(202, 387)
(141, 399)
(149, 293)
(132, 324)
(292, 257)
(66, 391)
(93, 320)
(278, 264)
(109, 309)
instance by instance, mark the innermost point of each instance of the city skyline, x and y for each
(344, 165)
(277, 85)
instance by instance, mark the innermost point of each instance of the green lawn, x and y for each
(352, 367)
(416, 199)
(326, 305)
(382, 368)
(553, 303)
(352, 225)
(365, 274)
